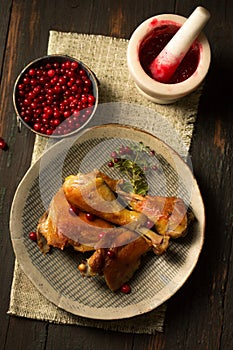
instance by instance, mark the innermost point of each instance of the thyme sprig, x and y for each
(135, 161)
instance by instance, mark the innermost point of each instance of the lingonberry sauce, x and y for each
(153, 44)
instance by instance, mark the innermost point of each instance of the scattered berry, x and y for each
(3, 144)
(111, 254)
(33, 236)
(90, 216)
(149, 224)
(114, 154)
(126, 289)
(73, 210)
(101, 235)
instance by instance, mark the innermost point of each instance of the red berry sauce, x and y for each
(153, 44)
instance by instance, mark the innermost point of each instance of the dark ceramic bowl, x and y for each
(54, 107)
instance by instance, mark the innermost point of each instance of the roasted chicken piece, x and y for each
(169, 214)
(60, 226)
(89, 192)
(119, 262)
(92, 192)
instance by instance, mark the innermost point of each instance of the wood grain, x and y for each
(200, 314)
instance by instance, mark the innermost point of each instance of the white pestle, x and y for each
(166, 63)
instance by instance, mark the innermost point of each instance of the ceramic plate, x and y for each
(56, 275)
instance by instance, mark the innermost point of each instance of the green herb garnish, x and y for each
(135, 162)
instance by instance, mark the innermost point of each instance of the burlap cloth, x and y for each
(106, 56)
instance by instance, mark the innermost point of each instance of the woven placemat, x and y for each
(106, 56)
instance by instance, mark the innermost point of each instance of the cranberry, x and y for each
(114, 154)
(51, 73)
(37, 126)
(149, 223)
(101, 235)
(111, 254)
(126, 289)
(90, 216)
(51, 93)
(33, 236)
(73, 210)
(91, 99)
(26, 80)
(124, 150)
(67, 114)
(110, 164)
(32, 72)
(127, 150)
(74, 65)
(3, 144)
(49, 131)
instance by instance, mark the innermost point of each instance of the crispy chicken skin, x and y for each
(89, 192)
(60, 227)
(120, 264)
(169, 214)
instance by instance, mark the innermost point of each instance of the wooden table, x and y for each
(200, 314)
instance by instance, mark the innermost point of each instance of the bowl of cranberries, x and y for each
(55, 96)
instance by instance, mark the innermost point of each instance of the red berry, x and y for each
(90, 216)
(32, 72)
(67, 64)
(49, 131)
(110, 164)
(33, 236)
(152, 152)
(55, 91)
(154, 167)
(101, 235)
(37, 126)
(114, 154)
(73, 210)
(149, 223)
(67, 114)
(51, 73)
(74, 65)
(126, 289)
(127, 150)
(56, 122)
(3, 144)
(111, 254)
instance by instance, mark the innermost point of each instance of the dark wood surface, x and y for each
(200, 314)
